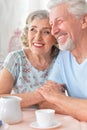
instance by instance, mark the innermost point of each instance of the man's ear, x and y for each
(84, 21)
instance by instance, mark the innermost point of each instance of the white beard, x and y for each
(68, 45)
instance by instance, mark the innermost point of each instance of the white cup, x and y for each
(45, 117)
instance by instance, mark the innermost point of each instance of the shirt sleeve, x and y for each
(56, 72)
(11, 64)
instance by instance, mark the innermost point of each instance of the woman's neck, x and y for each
(41, 62)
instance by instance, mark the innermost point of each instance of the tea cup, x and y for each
(45, 117)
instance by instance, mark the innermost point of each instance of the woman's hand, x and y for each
(50, 90)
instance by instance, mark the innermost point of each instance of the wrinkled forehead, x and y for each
(58, 11)
(40, 23)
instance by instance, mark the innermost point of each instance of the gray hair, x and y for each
(75, 7)
(39, 14)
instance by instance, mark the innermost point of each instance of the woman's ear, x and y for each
(84, 21)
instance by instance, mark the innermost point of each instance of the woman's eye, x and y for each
(47, 32)
(32, 29)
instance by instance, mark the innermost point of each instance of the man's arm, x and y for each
(74, 107)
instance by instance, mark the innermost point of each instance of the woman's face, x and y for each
(39, 37)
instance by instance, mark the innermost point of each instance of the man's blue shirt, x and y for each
(68, 71)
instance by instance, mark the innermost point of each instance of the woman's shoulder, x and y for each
(16, 54)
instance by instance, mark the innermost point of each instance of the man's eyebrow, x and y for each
(60, 17)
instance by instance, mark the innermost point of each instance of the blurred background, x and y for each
(12, 18)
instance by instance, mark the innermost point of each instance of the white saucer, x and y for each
(4, 126)
(55, 124)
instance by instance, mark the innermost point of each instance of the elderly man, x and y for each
(68, 19)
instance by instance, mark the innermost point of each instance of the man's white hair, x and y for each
(75, 7)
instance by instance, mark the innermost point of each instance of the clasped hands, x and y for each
(50, 90)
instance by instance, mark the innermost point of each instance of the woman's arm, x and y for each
(6, 85)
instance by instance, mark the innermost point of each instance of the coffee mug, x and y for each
(45, 117)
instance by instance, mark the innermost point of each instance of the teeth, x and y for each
(60, 37)
(38, 44)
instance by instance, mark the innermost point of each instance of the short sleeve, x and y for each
(11, 64)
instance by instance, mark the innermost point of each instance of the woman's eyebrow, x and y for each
(42, 27)
(46, 27)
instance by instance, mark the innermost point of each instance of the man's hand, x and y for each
(50, 90)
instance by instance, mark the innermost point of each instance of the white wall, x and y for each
(12, 15)
(43, 4)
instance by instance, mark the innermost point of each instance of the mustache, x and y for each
(60, 34)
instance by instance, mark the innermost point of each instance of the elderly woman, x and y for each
(27, 69)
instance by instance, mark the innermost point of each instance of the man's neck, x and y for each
(80, 54)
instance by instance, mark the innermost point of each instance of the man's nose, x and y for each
(54, 29)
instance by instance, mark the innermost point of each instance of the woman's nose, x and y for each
(38, 35)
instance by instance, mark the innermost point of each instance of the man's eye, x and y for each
(60, 21)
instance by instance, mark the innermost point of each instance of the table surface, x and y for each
(67, 122)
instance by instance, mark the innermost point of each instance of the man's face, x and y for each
(65, 27)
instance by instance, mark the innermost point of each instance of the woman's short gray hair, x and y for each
(76, 7)
(38, 14)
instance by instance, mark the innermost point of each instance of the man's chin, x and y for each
(62, 46)
(66, 47)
